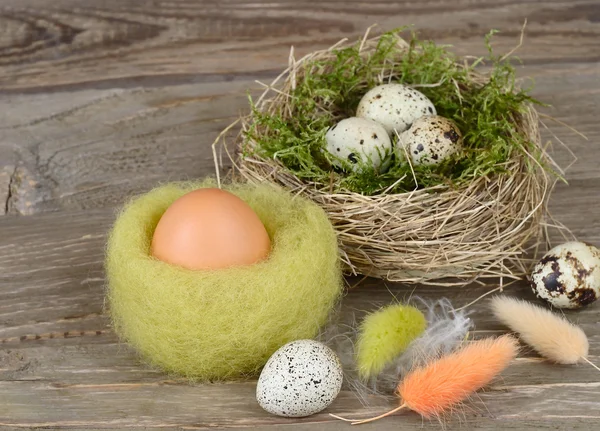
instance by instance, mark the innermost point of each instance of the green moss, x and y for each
(330, 89)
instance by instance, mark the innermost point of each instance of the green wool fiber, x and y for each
(385, 334)
(225, 323)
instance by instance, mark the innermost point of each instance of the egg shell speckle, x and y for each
(568, 276)
(354, 139)
(395, 106)
(430, 140)
(300, 379)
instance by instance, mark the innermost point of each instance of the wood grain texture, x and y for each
(101, 100)
(93, 148)
(104, 101)
(101, 145)
(61, 365)
(63, 43)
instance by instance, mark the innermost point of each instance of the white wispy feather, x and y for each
(552, 336)
(341, 338)
(446, 330)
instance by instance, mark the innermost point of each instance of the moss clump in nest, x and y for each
(329, 88)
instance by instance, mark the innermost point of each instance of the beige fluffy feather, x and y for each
(552, 336)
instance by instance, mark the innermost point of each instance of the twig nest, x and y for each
(222, 323)
(395, 106)
(431, 140)
(355, 141)
(568, 276)
(477, 216)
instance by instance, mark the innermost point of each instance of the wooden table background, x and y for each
(103, 99)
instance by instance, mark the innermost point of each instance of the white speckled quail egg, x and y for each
(395, 106)
(431, 139)
(568, 276)
(300, 379)
(355, 139)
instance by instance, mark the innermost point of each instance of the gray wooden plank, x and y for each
(100, 146)
(65, 42)
(574, 424)
(166, 405)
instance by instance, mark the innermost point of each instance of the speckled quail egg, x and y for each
(430, 140)
(359, 139)
(300, 379)
(395, 106)
(568, 276)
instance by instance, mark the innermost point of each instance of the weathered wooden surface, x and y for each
(103, 99)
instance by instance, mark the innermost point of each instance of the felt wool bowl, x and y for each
(225, 323)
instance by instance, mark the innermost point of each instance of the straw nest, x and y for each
(488, 227)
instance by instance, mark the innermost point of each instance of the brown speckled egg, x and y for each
(430, 140)
(394, 106)
(568, 276)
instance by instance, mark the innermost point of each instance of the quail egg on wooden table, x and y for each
(568, 276)
(395, 106)
(359, 139)
(300, 379)
(430, 140)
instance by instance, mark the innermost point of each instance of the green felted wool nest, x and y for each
(225, 323)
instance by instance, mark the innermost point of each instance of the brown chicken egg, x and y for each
(210, 228)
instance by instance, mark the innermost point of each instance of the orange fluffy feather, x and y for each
(442, 384)
(434, 389)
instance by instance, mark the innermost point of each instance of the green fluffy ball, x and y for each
(225, 323)
(384, 335)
